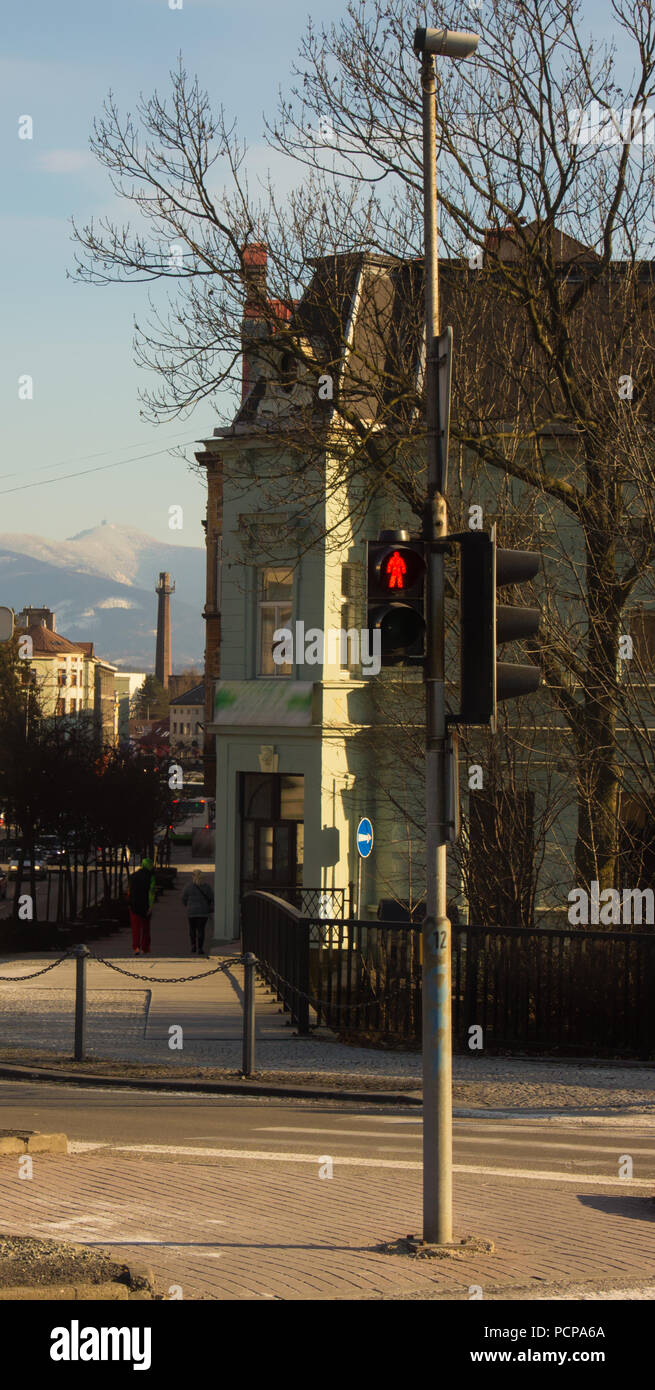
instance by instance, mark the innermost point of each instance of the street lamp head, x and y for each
(447, 43)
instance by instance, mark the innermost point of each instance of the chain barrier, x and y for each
(165, 979)
(324, 1004)
(154, 979)
(278, 980)
(16, 979)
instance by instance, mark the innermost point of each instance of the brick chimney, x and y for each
(255, 260)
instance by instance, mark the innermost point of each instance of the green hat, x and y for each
(147, 864)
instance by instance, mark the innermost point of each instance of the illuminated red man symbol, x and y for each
(396, 570)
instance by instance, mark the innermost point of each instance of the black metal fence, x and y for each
(573, 991)
(318, 902)
(568, 991)
(277, 934)
(77, 884)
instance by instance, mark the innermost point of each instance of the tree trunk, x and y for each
(596, 850)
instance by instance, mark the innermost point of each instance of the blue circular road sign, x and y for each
(364, 837)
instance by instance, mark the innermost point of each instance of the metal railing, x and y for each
(316, 902)
(567, 991)
(337, 969)
(277, 934)
(556, 990)
(366, 976)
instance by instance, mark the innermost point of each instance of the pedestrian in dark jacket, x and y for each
(198, 899)
(141, 898)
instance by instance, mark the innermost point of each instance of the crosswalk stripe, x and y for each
(348, 1161)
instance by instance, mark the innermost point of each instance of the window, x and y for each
(73, 706)
(292, 797)
(275, 594)
(642, 628)
(271, 796)
(349, 577)
(60, 707)
(61, 675)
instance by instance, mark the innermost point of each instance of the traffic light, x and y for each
(396, 580)
(486, 624)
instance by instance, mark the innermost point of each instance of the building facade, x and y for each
(299, 754)
(187, 719)
(70, 681)
(126, 684)
(307, 744)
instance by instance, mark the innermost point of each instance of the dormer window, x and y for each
(288, 372)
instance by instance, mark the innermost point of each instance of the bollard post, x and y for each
(248, 1060)
(80, 953)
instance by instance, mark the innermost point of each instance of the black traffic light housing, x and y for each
(485, 624)
(395, 598)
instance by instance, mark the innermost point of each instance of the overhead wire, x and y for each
(80, 473)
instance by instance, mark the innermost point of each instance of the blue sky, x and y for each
(61, 57)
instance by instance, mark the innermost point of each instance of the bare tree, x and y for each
(546, 201)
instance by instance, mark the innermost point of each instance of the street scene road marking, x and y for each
(555, 1177)
(349, 1161)
(328, 1133)
(547, 1142)
(266, 1154)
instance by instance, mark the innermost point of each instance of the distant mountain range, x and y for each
(100, 585)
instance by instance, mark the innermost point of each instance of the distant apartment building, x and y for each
(187, 718)
(126, 684)
(70, 680)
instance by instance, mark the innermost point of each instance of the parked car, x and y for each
(53, 851)
(40, 866)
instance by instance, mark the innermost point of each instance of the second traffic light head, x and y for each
(484, 624)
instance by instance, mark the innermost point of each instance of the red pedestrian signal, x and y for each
(396, 568)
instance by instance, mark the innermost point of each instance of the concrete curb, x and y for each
(28, 1141)
(110, 1293)
(287, 1092)
(221, 1088)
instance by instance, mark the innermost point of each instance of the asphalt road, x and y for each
(549, 1148)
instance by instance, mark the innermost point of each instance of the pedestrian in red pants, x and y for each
(142, 892)
(140, 933)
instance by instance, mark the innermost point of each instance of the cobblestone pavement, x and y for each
(44, 1018)
(210, 1013)
(223, 1228)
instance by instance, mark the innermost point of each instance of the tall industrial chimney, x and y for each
(164, 589)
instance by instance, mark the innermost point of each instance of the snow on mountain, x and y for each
(100, 585)
(122, 553)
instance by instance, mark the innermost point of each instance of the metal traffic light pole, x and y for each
(436, 985)
(436, 981)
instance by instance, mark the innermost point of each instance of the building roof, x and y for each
(45, 642)
(195, 696)
(361, 321)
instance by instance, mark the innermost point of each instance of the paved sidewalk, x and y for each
(130, 1019)
(223, 1228)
